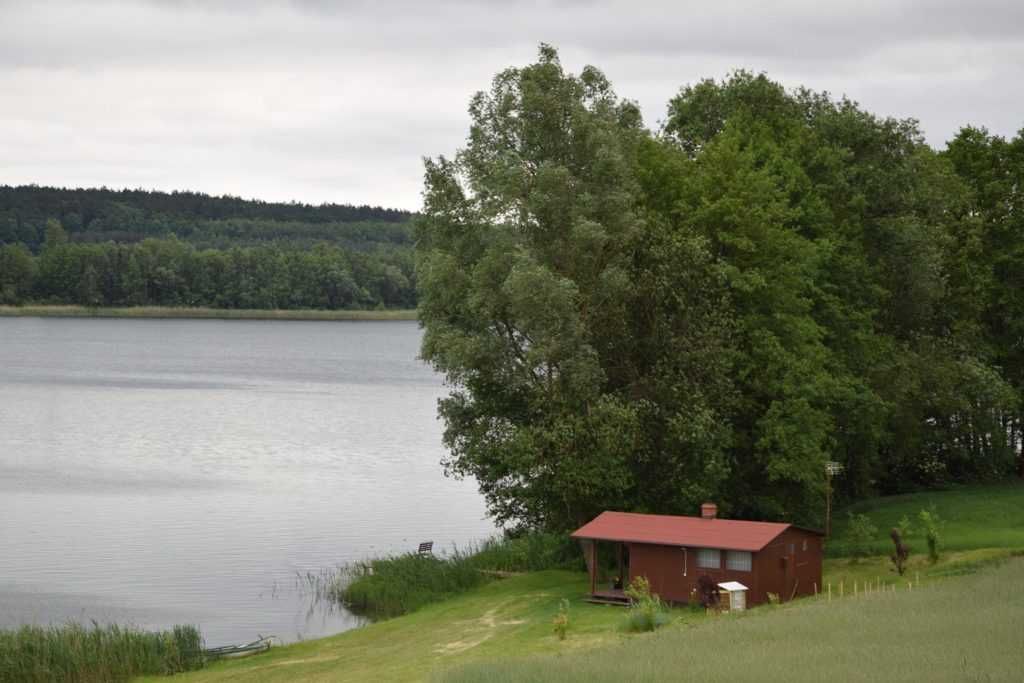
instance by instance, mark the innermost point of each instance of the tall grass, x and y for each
(399, 584)
(963, 630)
(81, 654)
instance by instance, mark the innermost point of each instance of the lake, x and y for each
(157, 472)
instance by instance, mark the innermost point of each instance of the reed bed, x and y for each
(398, 584)
(74, 653)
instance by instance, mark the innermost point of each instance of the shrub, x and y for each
(859, 534)
(930, 525)
(646, 610)
(707, 590)
(561, 620)
(900, 552)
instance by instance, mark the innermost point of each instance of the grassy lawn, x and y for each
(511, 616)
(975, 517)
(184, 312)
(964, 630)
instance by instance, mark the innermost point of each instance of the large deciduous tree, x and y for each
(584, 337)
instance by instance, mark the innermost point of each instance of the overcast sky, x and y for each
(339, 101)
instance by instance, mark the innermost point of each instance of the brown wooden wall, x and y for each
(773, 570)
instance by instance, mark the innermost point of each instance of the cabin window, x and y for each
(738, 561)
(709, 558)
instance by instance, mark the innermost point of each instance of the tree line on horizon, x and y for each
(776, 279)
(101, 247)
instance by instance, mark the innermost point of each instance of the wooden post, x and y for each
(593, 567)
(841, 584)
(830, 592)
(622, 578)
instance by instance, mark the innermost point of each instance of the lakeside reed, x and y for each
(96, 653)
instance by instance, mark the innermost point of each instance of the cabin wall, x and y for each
(673, 572)
(783, 567)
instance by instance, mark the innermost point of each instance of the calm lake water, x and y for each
(157, 472)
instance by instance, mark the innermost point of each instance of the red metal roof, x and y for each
(696, 532)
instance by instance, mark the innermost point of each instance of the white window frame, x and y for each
(739, 561)
(709, 558)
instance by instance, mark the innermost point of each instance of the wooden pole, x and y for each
(828, 502)
(830, 592)
(593, 567)
(841, 583)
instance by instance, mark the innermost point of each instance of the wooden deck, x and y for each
(609, 596)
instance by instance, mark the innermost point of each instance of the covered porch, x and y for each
(607, 583)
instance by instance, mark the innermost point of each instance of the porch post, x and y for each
(593, 567)
(622, 578)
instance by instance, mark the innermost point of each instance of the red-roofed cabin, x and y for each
(674, 551)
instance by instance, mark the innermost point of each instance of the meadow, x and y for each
(960, 621)
(965, 630)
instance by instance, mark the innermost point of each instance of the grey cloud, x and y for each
(338, 101)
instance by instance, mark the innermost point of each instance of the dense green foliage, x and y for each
(99, 654)
(775, 280)
(399, 584)
(131, 248)
(101, 215)
(170, 272)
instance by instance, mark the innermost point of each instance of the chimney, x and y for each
(708, 511)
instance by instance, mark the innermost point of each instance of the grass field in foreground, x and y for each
(964, 630)
(496, 620)
(217, 313)
(512, 618)
(974, 517)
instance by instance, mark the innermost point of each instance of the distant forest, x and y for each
(102, 247)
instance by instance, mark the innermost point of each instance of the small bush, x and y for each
(561, 620)
(101, 653)
(646, 610)
(708, 592)
(930, 525)
(859, 535)
(900, 552)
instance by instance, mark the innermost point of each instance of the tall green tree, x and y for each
(583, 337)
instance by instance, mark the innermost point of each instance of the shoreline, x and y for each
(169, 312)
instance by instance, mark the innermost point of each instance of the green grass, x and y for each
(186, 312)
(495, 620)
(98, 653)
(974, 517)
(964, 630)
